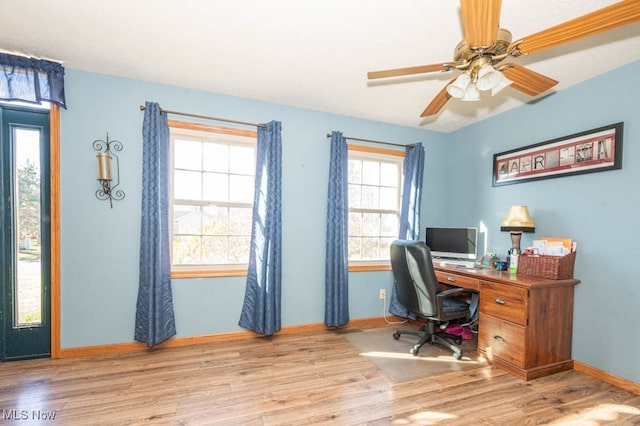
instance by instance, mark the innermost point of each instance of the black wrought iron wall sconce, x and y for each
(106, 176)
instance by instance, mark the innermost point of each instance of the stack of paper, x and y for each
(552, 246)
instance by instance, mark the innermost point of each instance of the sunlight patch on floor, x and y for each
(425, 418)
(598, 414)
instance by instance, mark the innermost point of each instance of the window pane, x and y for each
(355, 224)
(389, 174)
(214, 250)
(371, 197)
(186, 250)
(187, 154)
(242, 160)
(186, 220)
(388, 198)
(240, 221)
(215, 187)
(385, 247)
(241, 188)
(216, 157)
(187, 185)
(371, 224)
(355, 195)
(354, 248)
(215, 220)
(239, 249)
(389, 226)
(370, 248)
(28, 279)
(355, 171)
(371, 172)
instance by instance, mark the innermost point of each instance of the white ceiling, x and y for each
(311, 54)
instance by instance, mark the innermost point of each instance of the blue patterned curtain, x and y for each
(31, 80)
(155, 320)
(261, 308)
(412, 177)
(336, 310)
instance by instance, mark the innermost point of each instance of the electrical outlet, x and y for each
(383, 294)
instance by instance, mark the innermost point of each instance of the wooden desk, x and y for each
(525, 323)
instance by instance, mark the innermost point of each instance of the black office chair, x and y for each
(418, 290)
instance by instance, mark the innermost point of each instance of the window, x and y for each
(375, 177)
(212, 188)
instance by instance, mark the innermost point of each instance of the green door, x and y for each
(25, 222)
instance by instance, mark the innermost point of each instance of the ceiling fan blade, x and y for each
(438, 102)
(480, 20)
(422, 69)
(525, 80)
(616, 15)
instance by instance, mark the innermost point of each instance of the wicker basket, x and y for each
(550, 267)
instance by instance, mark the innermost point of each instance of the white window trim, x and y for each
(202, 132)
(371, 153)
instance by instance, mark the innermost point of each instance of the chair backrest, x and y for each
(414, 276)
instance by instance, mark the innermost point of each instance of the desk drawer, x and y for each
(458, 280)
(504, 302)
(502, 339)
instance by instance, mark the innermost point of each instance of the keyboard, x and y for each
(454, 262)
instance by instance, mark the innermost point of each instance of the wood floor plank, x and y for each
(306, 378)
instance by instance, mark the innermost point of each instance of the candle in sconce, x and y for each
(104, 166)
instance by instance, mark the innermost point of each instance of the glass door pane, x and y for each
(25, 238)
(28, 280)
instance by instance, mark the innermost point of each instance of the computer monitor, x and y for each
(458, 243)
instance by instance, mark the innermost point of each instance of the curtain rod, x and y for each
(166, 111)
(412, 146)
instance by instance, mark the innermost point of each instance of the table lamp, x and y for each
(516, 221)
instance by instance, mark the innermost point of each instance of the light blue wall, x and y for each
(99, 252)
(599, 210)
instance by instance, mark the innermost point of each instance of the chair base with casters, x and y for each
(428, 334)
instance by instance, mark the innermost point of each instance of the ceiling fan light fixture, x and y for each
(472, 93)
(488, 77)
(458, 88)
(477, 56)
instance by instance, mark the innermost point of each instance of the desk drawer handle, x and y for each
(451, 279)
(500, 339)
(500, 301)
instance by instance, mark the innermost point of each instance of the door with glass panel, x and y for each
(24, 234)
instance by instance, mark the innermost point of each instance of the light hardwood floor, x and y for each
(314, 378)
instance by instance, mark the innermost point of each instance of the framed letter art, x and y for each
(595, 150)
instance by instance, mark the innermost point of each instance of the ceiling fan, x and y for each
(479, 56)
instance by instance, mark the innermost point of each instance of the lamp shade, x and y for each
(104, 166)
(471, 94)
(504, 82)
(518, 219)
(488, 77)
(459, 86)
